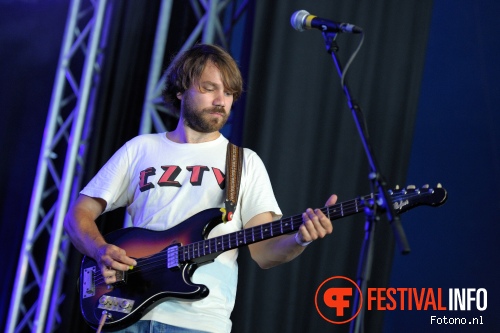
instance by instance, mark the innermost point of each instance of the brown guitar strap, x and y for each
(234, 165)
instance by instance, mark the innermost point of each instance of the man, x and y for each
(165, 178)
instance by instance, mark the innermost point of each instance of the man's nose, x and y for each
(220, 100)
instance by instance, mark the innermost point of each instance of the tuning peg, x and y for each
(413, 188)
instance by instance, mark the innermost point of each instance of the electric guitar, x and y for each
(167, 259)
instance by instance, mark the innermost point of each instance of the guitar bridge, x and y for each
(88, 287)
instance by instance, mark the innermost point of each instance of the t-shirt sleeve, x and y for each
(112, 181)
(257, 196)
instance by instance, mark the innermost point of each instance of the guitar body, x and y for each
(151, 281)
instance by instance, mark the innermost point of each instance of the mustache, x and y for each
(216, 109)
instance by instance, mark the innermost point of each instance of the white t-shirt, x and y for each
(163, 183)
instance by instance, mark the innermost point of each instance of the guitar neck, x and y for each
(206, 250)
(402, 200)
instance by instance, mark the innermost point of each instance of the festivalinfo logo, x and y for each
(337, 296)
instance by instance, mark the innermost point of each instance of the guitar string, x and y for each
(192, 251)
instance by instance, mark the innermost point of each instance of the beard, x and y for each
(203, 120)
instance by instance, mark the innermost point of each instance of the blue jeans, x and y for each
(149, 326)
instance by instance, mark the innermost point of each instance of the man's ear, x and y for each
(179, 95)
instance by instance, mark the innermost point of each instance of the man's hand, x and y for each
(111, 258)
(278, 250)
(315, 224)
(82, 230)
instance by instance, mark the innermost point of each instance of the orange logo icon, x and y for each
(334, 300)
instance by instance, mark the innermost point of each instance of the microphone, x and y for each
(302, 20)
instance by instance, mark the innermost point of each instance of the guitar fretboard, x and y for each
(265, 231)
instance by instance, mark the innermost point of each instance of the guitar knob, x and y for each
(104, 300)
(411, 187)
(125, 304)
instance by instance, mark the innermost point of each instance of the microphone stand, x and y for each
(376, 204)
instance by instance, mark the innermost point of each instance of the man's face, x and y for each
(205, 106)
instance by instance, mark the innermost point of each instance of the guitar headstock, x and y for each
(410, 197)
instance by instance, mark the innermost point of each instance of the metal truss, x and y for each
(36, 294)
(37, 291)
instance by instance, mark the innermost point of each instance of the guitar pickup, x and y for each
(173, 256)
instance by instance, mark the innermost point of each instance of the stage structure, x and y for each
(37, 291)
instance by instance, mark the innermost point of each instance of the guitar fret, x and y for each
(248, 236)
(286, 226)
(266, 232)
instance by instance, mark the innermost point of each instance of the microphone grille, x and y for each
(298, 18)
